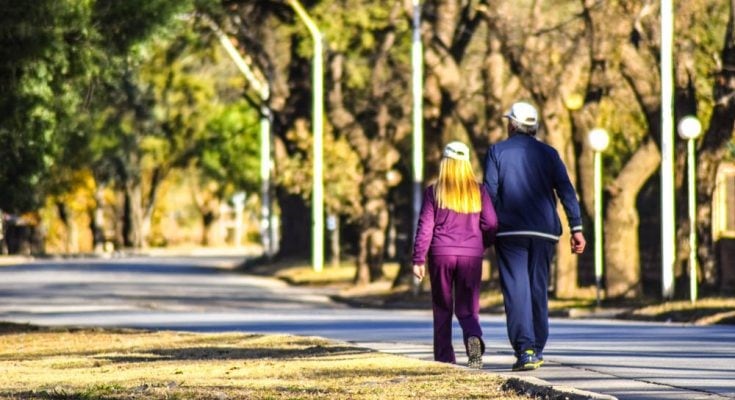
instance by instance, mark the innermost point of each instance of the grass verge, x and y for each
(705, 311)
(39, 363)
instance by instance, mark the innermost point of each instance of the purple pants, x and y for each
(463, 276)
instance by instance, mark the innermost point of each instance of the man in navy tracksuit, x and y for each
(524, 177)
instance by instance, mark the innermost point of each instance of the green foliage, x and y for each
(700, 30)
(125, 24)
(355, 28)
(52, 55)
(230, 149)
(626, 126)
(342, 172)
(45, 59)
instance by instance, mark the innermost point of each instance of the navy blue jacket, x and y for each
(524, 176)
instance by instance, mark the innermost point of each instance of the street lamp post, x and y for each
(267, 220)
(689, 130)
(598, 140)
(317, 125)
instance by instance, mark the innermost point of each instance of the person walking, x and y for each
(524, 177)
(457, 221)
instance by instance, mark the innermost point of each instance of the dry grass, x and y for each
(344, 274)
(129, 364)
(708, 311)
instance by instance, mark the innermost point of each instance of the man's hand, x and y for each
(578, 242)
(419, 271)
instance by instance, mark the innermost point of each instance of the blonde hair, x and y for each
(457, 189)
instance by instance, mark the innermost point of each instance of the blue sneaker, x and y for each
(527, 361)
(540, 357)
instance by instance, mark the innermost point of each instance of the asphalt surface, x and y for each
(627, 360)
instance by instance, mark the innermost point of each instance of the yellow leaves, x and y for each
(156, 150)
(80, 196)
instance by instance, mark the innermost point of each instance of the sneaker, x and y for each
(540, 357)
(527, 361)
(474, 351)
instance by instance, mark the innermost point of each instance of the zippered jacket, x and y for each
(524, 177)
(444, 232)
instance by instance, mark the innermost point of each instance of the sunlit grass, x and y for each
(304, 274)
(123, 364)
(716, 310)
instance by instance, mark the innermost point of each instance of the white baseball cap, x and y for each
(524, 114)
(456, 150)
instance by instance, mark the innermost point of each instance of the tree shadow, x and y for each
(234, 353)
(9, 328)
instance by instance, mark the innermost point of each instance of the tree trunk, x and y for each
(98, 220)
(148, 206)
(296, 226)
(208, 218)
(333, 226)
(72, 236)
(402, 215)
(373, 234)
(711, 152)
(134, 198)
(623, 272)
(377, 154)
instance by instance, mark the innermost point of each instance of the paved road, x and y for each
(624, 359)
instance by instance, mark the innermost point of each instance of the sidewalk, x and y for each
(14, 260)
(530, 383)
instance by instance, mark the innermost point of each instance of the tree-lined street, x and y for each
(159, 123)
(310, 129)
(629, 360)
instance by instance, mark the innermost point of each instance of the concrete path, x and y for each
(628, 360)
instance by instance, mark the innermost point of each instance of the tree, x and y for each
(156, 107)
(365, 113)
(227, 159)
(47, 56)
(712, 149)
(368, 71)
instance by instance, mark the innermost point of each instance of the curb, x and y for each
(540, 389)
(14, 260)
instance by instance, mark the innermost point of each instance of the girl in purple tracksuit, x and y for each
(456, 223)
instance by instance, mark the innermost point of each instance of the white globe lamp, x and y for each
(599, 139)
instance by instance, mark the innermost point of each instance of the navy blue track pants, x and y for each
(455, 289)
(524, 278)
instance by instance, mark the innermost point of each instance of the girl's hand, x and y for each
(419, 271)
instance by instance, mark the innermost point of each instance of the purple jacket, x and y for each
(443, 232)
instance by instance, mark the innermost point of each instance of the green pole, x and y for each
(598, 140)
(317, 207)
(598, 223)
(691, 172)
